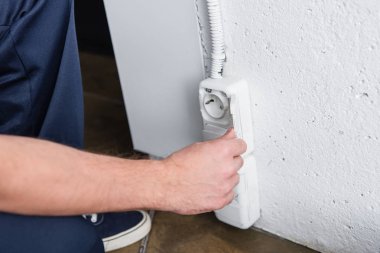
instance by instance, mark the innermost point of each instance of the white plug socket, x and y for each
(225, 103)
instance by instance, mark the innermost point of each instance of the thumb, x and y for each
(230, 134)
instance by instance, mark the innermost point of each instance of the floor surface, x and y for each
(107, 132)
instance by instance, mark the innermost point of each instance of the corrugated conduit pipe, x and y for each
(218, 54)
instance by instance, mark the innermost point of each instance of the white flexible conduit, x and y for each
(217, 38)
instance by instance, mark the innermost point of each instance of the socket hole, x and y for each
(210, 101)
(214, 106)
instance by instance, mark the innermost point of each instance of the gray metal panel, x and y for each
(160, 62)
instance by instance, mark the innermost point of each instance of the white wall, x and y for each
(314, 68)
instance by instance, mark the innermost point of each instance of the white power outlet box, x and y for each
(225, 103)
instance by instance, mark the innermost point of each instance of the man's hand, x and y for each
(43, 178)
(201, 177)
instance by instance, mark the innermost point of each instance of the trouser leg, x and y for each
(26, 234)
(40, 80)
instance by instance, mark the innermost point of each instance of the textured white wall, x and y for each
(314, 67)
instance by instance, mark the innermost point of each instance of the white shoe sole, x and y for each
(130, 236)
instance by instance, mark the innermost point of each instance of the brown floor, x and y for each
(107, 132)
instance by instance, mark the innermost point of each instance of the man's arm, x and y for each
(43, 178)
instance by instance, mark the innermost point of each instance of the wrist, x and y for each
(155, 188)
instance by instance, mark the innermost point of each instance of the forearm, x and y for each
(43, 178)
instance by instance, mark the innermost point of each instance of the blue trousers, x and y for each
(41, 96)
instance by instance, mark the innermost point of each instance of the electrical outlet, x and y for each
(225, 103)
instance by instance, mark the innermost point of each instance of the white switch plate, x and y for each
(160, 60)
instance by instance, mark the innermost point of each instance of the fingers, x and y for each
(231, 169)
(232, 145)
(238, 162)
(235, 181)
(229, 135)
(237, 147)
(230, 197)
